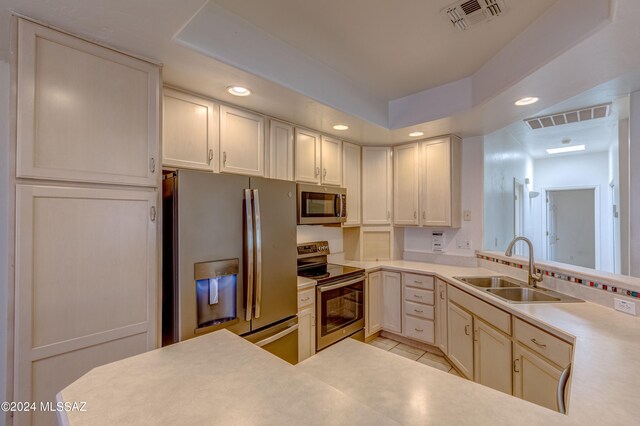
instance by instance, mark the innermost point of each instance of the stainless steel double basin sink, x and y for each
(514, 291)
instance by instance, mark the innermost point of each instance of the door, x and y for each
(535, 379)
(351, 174)
(492, 357)
(441, 315)
(280, 151)
(307, 150)
(460, 339)
(210, 223)
(276, 254)
(405, 184)
(189, 132)
(241, 142)
(374, 303)
(376, 186)
(391, 302)
(331, 161)
(436, 183)
(572, 226)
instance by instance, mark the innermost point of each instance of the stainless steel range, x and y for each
(339, 294)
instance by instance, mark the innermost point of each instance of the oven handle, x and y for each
(324, 288)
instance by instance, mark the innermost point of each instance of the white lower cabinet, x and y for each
(373, 304)
(491, 357)
(419, 312)
(391, 302)
(536, 379)
(460, 339)
(441, 316)
(306, 323)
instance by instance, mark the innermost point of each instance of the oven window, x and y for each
(316, 204)
(341, 307)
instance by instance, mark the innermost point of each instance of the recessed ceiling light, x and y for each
(341, 127)
(526, 101)
(238, 91)
(565, 149)
(414, 134)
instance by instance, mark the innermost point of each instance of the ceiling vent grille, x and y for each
(567, 117)
(464, 14)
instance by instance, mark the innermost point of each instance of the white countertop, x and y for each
(305, 283)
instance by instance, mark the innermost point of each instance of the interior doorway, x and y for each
(572, 226)
(518, 209)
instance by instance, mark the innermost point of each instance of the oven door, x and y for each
(340, 311)
(318, 205)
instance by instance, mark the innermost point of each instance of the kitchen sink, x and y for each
(491, 282)
(522, 295)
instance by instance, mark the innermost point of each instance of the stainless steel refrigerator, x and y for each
(229, 259)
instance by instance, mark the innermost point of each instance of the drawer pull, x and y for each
(419, 330)
(417, 296)
(540, 345)
(417, 282)
(418, 311)
(305, 299)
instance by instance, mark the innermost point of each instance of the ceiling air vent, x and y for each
(567, 117)
(464, 14)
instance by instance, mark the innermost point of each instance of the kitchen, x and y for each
(412, 230)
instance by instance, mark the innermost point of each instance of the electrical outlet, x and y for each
(463, 244)
(624, 306)
(467, 215)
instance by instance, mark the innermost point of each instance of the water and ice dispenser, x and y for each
(216, 291)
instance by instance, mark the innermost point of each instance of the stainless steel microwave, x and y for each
(318, 205)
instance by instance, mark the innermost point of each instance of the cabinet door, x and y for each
(460, 339)
(241, 142)
(306, 333)
(405, 184)
(85, 113)
(373, 315)
(189, 132)
(441, 315)
(307, 164)
(492, 357)
(351, 167)
(331, 161)
(85, 284)
(376, 186)
(391, 302)
(280, 151)
(536, 380)
(436, 183)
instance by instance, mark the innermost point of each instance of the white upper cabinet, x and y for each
(351, 174)
(190, 132)
(331, 150)
(241, 142)
(280, 150)
(405, 184)
(376, 185)
(84, 111)
(307, 165)
(440, 202)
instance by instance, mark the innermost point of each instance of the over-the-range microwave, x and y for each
(319, 205)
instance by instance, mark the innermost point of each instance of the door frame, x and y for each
(518, 212)
(545, 217)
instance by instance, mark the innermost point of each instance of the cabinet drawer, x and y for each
(494, 316)
(419, 329)
(418, 310)
(418, 295)
(545, 344)
(415, 280)
(306, 297)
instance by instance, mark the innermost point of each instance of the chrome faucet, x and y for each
(534, 277)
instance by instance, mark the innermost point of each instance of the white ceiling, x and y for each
(571, 48)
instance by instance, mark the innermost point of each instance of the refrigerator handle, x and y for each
(258, 239)
(249, 259)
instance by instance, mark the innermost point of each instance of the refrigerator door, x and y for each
(210, 228)
(280, 339)
(275, 258)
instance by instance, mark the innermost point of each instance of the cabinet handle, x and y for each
(317, 171)
(442, 295)
(210, 158)
(224, 158)
(152, 214)
(515, 365)
(418, 311)
(417, 282)
(305, 299)
(417, 296)
(419, 330)
(540, 345)
(152, 165)
(324, 173)
(466, 330)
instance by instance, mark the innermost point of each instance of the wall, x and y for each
(614, 182)
(623, 171)
(505, 159)
(333, 234)
(569, 171)
(634, 184)
(417, 241)
(4, 227)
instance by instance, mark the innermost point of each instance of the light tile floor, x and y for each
(433, 359)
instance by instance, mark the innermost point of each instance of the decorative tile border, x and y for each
(569, 278)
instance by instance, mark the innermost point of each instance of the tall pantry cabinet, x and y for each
(87, 173)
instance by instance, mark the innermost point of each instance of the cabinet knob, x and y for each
(417, 296)
(152, 165)
(515, 365)
(418, 311)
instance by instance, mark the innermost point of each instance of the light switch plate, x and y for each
(467, 215)
(625, 306)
